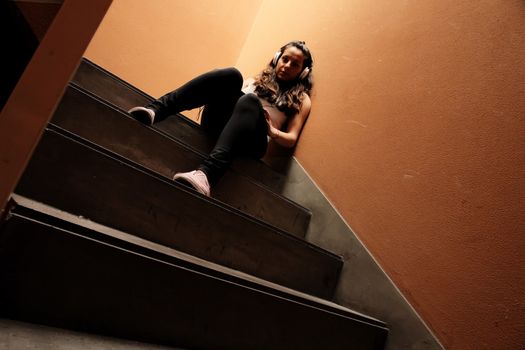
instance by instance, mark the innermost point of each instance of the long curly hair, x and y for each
(286, 96)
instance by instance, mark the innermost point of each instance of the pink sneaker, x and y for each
(197, 179)
(143, 115)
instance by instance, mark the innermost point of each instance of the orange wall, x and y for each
(417, 135)
(416, 132)
(159, 44)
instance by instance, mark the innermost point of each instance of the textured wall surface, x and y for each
(417, 137)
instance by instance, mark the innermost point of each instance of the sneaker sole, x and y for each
(189, 184)
(142, 116)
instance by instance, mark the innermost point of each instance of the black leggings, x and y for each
(236, 119)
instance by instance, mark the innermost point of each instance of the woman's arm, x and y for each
(289, 137)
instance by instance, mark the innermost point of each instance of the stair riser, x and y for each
(97, 122)
(54, 277)
(73, 177)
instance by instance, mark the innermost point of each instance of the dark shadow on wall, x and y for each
(23, 25)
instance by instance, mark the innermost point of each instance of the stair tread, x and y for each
(140, 292)
(167, 251)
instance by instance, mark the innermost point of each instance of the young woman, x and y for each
(274, 104)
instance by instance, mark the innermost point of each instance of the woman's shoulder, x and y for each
(305, 100)
(248, 86)
(306, 104)
(247, 82)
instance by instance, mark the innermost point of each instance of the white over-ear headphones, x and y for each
(304, 73)
(276, 57)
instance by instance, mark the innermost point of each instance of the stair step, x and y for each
(25, 335)
(124, 96)
(82, 178)
(90, 118)
(59, 270)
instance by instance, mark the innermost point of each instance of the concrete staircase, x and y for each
(99, 239)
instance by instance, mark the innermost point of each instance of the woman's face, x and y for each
(290, 64)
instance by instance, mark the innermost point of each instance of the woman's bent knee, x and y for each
(231, 76)
(250, 99)
(249, 104)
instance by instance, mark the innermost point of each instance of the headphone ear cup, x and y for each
(304, 73)
(276, 58)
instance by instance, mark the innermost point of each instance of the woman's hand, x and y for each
(273, 132)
